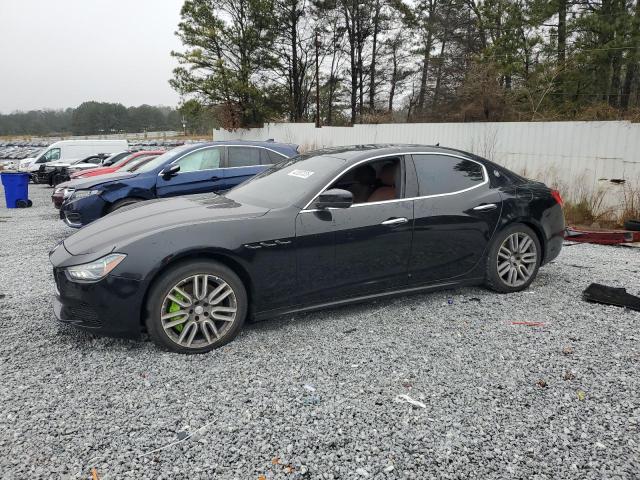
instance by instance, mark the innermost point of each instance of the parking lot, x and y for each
(452, 384)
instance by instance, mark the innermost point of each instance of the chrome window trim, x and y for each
(248, 166)
(257, 146)
(484, 182)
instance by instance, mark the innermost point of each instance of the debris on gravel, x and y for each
(317, 391)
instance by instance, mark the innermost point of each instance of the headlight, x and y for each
(93, 271)
(67, 192)
(78, 194)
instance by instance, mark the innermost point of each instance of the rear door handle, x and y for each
(395, 221)
(485, 206)
(215, 177)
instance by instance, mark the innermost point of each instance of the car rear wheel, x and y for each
(196, 307)
(514, 259)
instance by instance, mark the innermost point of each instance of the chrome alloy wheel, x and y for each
(198, 311)
(517, 258)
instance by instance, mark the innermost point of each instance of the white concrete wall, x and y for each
(576, 156)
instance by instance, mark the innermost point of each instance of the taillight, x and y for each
(557, 197)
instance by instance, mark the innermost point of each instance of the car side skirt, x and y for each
(259, 316)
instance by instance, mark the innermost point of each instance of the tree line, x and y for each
(250, 61)
(91, 118)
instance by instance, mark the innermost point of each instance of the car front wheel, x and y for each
(513, 260)
(196, 307)
(125, 202)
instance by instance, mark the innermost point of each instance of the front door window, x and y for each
(206, 159)
(50, 156)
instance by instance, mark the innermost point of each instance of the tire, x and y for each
(523, 265)
(633, 225)
(57, 179)
(34, 179)
(198, 313)
(125, 202)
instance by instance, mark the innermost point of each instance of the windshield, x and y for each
(136, 163)
(158, 161)
(289, 182)
(118, 161)
(117, 157)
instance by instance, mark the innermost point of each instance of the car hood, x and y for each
(154, 216)
(90, 182)
(61, 186)
(58, 163)
(93, 171)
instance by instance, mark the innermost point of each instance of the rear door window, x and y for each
(243, 156)
(439, 174)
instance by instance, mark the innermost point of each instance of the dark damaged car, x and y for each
(323, 229)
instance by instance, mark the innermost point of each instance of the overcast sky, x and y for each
(60, 53)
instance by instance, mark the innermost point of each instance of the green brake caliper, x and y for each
(174, 307)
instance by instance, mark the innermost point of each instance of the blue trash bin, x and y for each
(16, 187)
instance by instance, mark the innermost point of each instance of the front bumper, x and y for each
(57, 199)
(110, 307)
(79, 212)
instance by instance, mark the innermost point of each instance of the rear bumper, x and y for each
(110, 307)
(554, 231)
(553, 248)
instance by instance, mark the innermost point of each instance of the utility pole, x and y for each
(318, 125)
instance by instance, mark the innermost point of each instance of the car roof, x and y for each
(286, 148)
(354, 153)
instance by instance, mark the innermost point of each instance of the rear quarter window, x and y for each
(273, 157)
(439, 174)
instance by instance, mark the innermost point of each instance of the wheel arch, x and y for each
(109, 204)
(223, 257)
(537, 229)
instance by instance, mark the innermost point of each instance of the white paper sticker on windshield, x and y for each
(301, 173)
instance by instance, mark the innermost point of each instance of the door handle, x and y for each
(395, 221)
(485, 206)
(215, 177)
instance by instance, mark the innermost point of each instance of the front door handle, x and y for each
(395, 221)
(485, 206)
(215, 177)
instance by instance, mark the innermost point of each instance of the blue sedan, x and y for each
(190, 169)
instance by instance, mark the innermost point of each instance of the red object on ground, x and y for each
(115, 167)
(601, 237)
(529, 324)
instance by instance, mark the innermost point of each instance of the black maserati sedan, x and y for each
(319, 230)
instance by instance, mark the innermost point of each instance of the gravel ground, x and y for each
(316, 395)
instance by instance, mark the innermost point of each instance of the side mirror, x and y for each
(334, 198)
(107, 163)
(170, 171)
